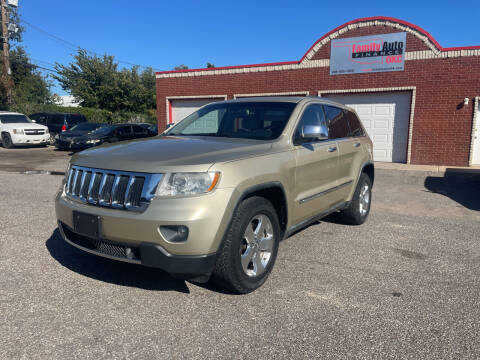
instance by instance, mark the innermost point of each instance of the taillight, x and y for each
(64, 127)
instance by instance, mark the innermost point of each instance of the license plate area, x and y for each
(86, 224)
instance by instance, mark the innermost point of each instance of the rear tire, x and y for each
(250, 247)
(357, 211)
(7, 141)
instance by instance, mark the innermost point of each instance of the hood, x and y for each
(169, 153)
(24, 126)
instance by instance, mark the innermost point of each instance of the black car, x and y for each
(63, 140)
(57, 122)
(151, 128)
(109, 134)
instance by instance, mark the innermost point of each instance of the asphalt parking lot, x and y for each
(403, 285)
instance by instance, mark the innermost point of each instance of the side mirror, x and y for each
(33, 121)
(316, 132)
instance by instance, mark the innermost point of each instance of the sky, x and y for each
(164, 34)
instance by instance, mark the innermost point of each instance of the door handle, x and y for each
(357, 144)
(332, 149)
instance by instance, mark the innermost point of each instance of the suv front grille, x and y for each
(34, 132)
(109, 188)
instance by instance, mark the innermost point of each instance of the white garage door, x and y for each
(385, 116)
(181, 108)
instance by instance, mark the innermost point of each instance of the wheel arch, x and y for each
(274, 192)
(369, 169)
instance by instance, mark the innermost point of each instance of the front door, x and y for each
(476, 141)
(316, 168)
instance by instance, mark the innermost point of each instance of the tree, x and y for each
(181, 67)
(98, 83)
(210, 65)
(30, 85)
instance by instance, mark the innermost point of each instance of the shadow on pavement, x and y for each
(111, 271)
(460, 186)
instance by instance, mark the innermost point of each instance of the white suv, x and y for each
(18, 129)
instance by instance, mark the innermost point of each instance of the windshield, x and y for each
(14, 119)
(86, 127)
(104, 130)
(246, 120)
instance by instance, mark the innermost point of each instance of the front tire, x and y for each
(249, 249)
(7, 141)
(357, 211)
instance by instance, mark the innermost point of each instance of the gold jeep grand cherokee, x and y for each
(213, 196)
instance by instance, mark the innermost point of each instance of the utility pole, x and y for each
(6, 52)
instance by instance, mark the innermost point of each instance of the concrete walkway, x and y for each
(437, 170)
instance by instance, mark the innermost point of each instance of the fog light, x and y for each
(174, 233)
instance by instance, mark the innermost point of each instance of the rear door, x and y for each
(125, 132)
(316, 168)
(139, 131)
(350, 151)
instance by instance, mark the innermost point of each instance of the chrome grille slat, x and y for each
(120, 188)
(135, 192)
(109, 188)
(105, 197)
(94, 189)
(70, 179)
(87, 175)
(77, 182)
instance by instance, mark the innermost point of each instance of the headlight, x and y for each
(46, 131)
(56, 136)
(93, 141)
(18, 131)
(187, 184)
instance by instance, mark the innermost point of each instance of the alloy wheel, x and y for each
(364, 202)
(257, 245)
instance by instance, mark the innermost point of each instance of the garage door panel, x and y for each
(381, 124)
(383, 110)
(385, 117)
(363, 110)
(181, 108)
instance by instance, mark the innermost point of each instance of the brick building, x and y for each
(423, 112)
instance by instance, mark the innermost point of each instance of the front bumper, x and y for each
(19, 139)
(63, 144)
(82, 145)
(205, 216)
(147, 254)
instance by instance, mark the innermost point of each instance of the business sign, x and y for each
(365, 54)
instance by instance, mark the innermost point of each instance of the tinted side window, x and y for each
(39, 118)
(56, 119)
(137, 129)
(337, 122)
(75, 119)
(313, 115)
(125, 130)
(354, 124)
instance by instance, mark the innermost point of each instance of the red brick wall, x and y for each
(441, 129)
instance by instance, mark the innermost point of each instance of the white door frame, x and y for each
(413, 89)
(474, 126)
